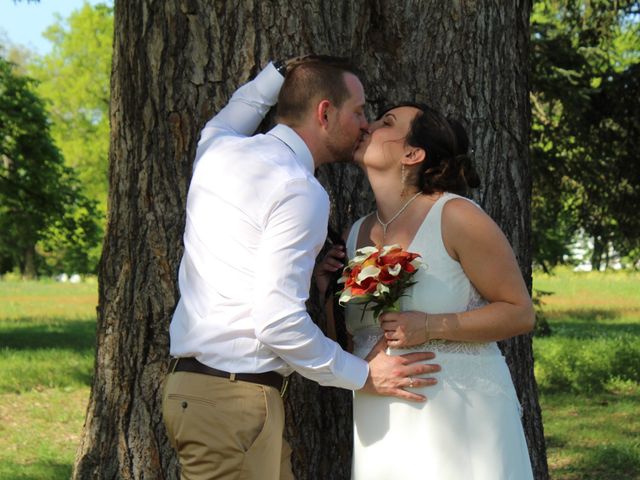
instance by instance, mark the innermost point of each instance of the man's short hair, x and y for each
(310, 80)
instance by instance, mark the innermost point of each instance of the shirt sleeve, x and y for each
(294, 232)
(246, 109)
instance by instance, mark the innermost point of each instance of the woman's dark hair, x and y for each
(447, 166)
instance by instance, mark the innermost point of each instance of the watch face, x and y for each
(281, 67)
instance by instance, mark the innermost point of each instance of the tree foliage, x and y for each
(74, 79)
(586, 116)
(40, 198)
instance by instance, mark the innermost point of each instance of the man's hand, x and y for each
(390, 375)
(285, 66)
(293, 62)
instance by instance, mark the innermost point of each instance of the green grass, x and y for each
(40, 431)
(47, 335)
(588, 372)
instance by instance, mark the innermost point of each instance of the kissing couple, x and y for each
(257, 219)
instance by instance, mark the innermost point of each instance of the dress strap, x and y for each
(352, 239)
(433, 224)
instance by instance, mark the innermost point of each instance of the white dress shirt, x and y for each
(256, 220)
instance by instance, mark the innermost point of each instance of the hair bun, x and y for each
(463, 160)
(448, 166)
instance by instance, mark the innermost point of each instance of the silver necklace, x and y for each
(402, 209)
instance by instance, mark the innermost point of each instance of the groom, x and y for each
(256, 219)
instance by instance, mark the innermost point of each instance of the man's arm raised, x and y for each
(245, 110)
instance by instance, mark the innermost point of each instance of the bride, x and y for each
(469, 295)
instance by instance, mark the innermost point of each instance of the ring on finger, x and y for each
(410, 382)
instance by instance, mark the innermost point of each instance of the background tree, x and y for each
(175, 65)
(586, 116)
(74, 79)
(72, 238)
(37, 192)
(21, 57)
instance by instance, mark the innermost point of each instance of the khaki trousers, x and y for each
(225, 430)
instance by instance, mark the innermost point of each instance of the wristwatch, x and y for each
(281, 67)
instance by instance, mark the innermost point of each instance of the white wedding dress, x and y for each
(469, 428)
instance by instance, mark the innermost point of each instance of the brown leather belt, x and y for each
(190, 364)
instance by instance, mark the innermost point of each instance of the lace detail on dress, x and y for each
(469, 366)
(475, 299)
(368, 335)
(364, 339)
(465, 365)
(469, 348)
(445, 346)
(485, 373)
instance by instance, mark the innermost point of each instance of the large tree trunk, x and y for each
(175, 63)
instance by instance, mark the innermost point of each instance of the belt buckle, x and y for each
(285, 384)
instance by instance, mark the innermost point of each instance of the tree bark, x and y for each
(175, 64)
(30, 271)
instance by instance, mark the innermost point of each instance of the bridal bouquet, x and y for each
(378, 275)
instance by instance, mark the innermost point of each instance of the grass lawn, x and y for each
(47, 333)
(588, 372)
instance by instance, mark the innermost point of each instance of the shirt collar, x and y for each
(294, 142)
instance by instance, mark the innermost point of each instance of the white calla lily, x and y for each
(345, 296)
(394, 269)
(368, 272)
(381, 289)
(417, 263)
(388, 248)
(362, 254)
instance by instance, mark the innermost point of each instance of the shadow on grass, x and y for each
(576, 326)
(559, 399)
(42, 470)
(554, 441)
(38, 377)
(66, 334)
(609, 462)
(586, 314)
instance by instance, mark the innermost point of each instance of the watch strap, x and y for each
(281, 67)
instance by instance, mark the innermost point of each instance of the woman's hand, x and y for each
(331, 263)
(404, 329)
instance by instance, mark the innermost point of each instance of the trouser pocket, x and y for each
(213, 423)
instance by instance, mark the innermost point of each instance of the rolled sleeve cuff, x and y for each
(353, 370)
(269, 81)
